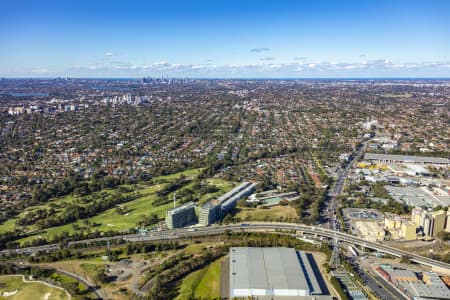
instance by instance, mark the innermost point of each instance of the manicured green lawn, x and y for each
(59, 202)
(11, 223)
(202, 284)
(27, 291)
(270, 214)
(110, 220)
(189, 172)
(223, 186)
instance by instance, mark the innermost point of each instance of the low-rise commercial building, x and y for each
(370, 230)
(430, 287)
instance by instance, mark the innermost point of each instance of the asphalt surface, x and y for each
(342, 174)
(251, 227)
(383, 290)
(92, 287)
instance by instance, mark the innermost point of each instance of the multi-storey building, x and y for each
(181, 216)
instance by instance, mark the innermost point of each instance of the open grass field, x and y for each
(61, 202)
(110, 220)
(187, 173)
(271, 214)
(223, 186)
(29, 291)
(202, 284)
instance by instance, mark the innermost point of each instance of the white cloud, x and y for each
(40, 71)
(267, 68)
(259, 50)
(108, 54)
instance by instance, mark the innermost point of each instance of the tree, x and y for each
(405, 260)
(442, 235)
(100, 276)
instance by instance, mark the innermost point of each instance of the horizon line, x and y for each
(235, 78)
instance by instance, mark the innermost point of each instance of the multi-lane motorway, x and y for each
(250, 227)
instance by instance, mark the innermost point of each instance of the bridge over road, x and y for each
(252, 227)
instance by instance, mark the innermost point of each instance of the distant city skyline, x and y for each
(225, 39)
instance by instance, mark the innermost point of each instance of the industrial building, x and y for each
(400, 228)
(414, 196)
(272, 198)
(181, 216)
(391, 158)
(214, 210)
(430, 287)
(273, 272)
(370, 230)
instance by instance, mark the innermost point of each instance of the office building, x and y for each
(181, 216)
(433, 222)
(229, 203)
(209, 213)
(438, 221)
(447, 226)
(417, 215)
(213, 211)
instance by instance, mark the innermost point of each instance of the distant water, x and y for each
(29, 94)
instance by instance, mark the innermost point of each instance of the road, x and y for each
(384, 291)
(99, 293)
(338, 187)
(251, 227)
(92, 287)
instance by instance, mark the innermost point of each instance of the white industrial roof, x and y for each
(407, 158)
(271, 268)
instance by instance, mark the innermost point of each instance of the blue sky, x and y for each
(315, 38)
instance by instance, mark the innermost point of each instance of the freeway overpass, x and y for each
(250, 227)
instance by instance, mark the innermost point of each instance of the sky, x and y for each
(225, 39)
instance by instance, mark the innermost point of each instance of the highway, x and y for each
(338, 187)
(250, 227)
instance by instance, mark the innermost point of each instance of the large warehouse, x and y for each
(271, 272)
